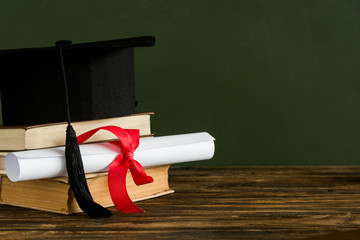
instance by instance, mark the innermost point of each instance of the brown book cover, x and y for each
(18, 138)
(55, 195)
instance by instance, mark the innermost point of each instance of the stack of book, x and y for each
(55, 195)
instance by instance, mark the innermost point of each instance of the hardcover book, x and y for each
(16, 138)
(55, 195)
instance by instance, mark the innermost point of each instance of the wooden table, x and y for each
(216, 203)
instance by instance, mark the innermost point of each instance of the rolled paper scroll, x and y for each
(97, 157)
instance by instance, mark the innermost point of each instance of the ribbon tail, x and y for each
(117, 187)
(138, 173)
(85, 136)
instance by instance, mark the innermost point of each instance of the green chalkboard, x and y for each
(276, 82)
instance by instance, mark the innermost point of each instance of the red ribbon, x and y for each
(128, 142)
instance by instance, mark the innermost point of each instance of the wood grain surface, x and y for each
(217, 203)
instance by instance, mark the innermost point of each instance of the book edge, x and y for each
(27, 127)
(159, 194)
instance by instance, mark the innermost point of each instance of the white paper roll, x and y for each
(97, 157)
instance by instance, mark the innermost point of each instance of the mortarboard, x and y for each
(98, 77)
(100, 81)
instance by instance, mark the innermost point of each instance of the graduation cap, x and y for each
(99, 80)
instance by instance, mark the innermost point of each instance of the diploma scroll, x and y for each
(97, 157)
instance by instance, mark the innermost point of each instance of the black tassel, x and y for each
(77, 178)
(74, 164)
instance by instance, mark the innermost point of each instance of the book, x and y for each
(2, 162)
(55, 195)
(16, 138)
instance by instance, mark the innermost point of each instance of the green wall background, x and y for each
(276, 82)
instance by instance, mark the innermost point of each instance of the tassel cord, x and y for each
(58, 44)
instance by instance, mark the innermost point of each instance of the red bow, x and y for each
(128, 142)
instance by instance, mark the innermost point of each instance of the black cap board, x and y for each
(100, 78)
